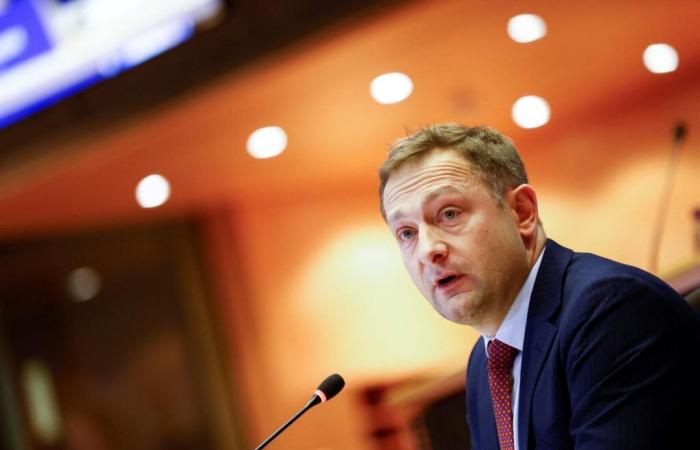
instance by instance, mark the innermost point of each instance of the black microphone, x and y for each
(680, 132)
(325, 391)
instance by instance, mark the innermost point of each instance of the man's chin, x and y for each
(459, 308)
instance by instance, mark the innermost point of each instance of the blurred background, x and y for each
(190, 237)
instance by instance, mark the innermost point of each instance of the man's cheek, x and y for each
(417, 279)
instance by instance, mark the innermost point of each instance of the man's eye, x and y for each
(450, 214)
(405, 234)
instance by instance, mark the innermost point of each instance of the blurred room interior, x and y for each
(204, 320)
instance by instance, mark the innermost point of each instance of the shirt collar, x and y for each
(512, 329)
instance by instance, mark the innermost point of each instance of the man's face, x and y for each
(463, 251)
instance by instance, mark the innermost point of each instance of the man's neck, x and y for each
(537, 244)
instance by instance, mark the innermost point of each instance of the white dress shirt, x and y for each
(512, 332)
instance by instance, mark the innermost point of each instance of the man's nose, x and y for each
(432, 247)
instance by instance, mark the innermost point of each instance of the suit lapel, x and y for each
(540, 329)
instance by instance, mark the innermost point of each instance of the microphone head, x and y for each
(679, 132)
(330, 387)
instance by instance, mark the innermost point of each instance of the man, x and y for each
(577, 351)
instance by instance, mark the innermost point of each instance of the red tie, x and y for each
(500, 364)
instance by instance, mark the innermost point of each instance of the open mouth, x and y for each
(446, 280)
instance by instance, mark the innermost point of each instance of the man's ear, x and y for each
(523, 202)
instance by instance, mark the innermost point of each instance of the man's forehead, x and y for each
(431, 176)
(428, 195)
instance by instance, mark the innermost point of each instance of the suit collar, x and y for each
(512, 329)
(546, 295)
(541, 328)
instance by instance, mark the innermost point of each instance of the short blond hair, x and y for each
(492, 156)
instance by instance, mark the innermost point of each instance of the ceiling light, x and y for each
(660, 58)
(390, 88)
(266, 142)
(152, 191)
(525, 28)
(530, 111)
(84, 284)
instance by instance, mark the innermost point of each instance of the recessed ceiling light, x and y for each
(390, 88)
(525, 28)
(266, 142)
(530, 111)
(660, 58)
(152, 191)
(84, 284)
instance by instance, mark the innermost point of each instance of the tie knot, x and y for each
(501, 355)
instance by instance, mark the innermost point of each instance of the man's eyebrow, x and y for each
(443, 190)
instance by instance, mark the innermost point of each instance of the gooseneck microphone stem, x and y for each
(679, 133)
(314, 401)
(325, 391)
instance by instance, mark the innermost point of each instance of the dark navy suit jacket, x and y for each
(611, 360)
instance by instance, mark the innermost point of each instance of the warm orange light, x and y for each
(357, 300)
